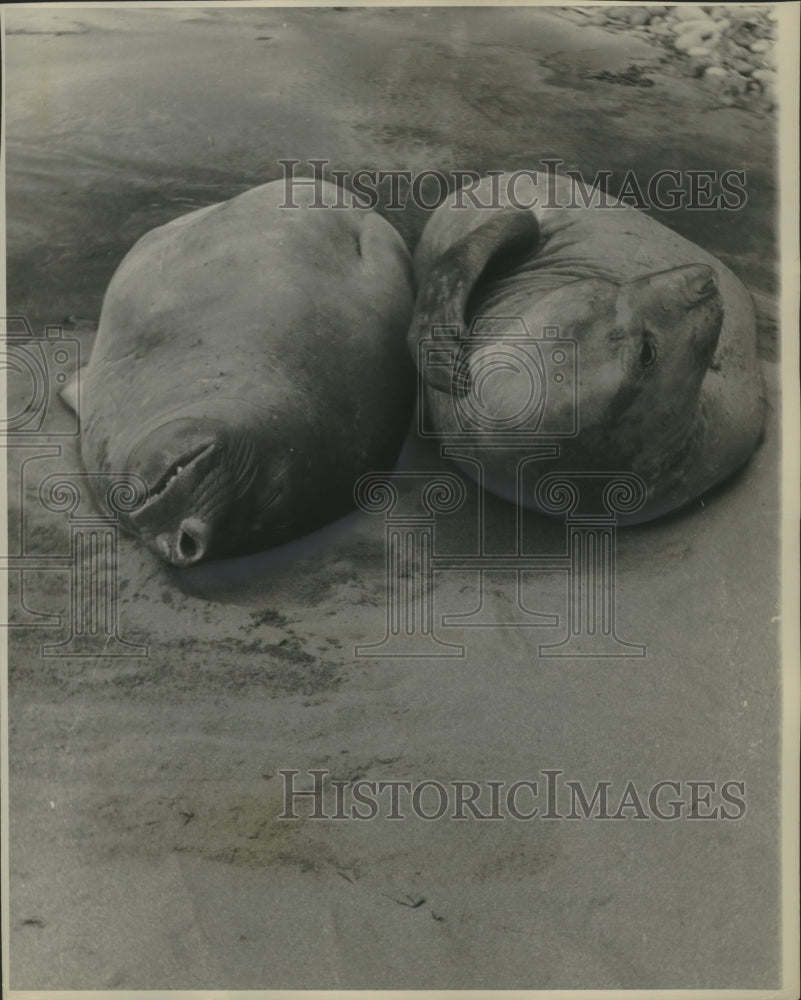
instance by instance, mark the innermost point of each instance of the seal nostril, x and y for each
(703, 283)
(187, 545)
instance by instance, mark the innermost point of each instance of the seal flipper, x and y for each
(444, 292)
(70, 394)
(767, 319)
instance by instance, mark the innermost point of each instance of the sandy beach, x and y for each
(147, 848)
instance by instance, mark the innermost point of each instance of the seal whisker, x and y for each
(241, 465)
(243, 489)
(276, 493)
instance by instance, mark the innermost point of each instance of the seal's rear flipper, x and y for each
(767, 318)
(439, 313)
(69, 394)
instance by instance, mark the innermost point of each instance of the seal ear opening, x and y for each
(443, 299)
(69, 395)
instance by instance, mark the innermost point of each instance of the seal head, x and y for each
(249, 366)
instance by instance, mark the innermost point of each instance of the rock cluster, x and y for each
(730, 48)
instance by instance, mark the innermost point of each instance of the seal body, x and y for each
(249, 366)
(582, 336)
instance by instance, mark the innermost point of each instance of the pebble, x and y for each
(690, 40)
(741, 66)
(618, 13)
(686, 42)
(700, 60)
(706, 26)
(730, 47)
(639, 17)
(688, 13)
(766, 77)
(736, 83)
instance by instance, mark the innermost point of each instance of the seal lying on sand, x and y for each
(592, 329)
(250, 365)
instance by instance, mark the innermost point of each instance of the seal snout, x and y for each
(180, 461)
(700, 282)
(704, 302)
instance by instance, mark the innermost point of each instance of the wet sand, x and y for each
(146, 849)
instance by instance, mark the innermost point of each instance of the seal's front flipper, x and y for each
(438, 323)
(70, 394)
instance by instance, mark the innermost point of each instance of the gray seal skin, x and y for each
(666, 382)
(250, 364)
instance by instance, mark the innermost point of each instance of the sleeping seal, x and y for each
(250, 365)
(596, 330)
